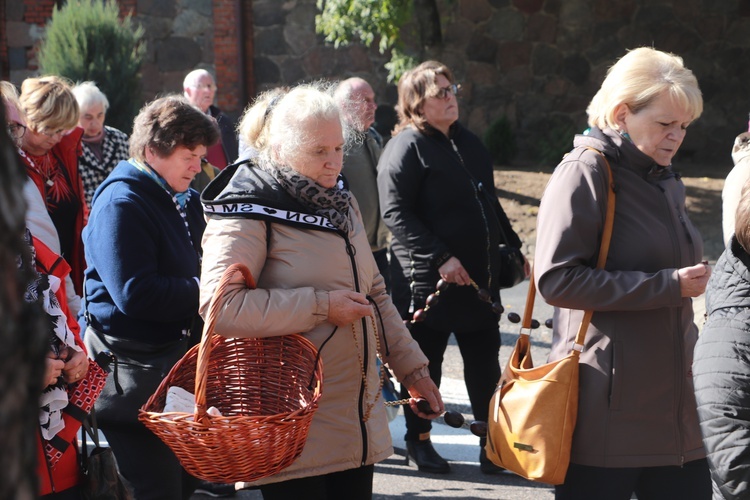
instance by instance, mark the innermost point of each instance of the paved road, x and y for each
(394, 479)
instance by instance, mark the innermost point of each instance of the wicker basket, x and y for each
(267, 390)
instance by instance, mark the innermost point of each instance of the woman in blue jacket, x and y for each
(143, 251)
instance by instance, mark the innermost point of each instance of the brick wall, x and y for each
(227, 54)
(38, 11)
(181, 35)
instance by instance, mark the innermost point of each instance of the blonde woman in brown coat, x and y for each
(298, 229)
(637, 428)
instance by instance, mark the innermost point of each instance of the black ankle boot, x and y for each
(425, 456)
(486, 466)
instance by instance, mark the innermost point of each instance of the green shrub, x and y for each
(556, 140)
(86, 40)
(500, 140)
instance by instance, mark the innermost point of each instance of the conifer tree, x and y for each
(86, 40)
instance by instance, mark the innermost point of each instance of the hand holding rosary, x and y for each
(482, 294)
(452, 418)
(442, 285)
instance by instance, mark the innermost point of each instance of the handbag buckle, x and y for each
(578, 347)
(523, 447)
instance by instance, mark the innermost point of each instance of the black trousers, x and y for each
(479, 350)
(151, 467)
(352, 484)
(691, 481)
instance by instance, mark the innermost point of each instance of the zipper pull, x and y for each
(460, 158)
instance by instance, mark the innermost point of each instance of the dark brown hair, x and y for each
(414, 87)
(169, 122)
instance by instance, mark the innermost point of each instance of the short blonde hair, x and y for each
(637, 79)
(414, 87)
(48, 103)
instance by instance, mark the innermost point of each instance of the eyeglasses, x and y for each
(49, 133)
(16, 130)
(206, 86)
(442, 92)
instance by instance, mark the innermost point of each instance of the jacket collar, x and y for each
(625, 153)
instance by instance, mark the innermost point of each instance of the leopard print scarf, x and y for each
(332, 203)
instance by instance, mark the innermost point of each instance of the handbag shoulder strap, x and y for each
(601, 261)
(92, 429)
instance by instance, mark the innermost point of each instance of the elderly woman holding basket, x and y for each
(298, 230)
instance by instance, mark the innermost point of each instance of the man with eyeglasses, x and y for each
(200, 88)
(356, 99)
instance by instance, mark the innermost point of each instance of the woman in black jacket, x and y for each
(721, 364)
(438, 199)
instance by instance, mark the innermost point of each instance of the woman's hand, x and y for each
(345, 307)
(453, 272)
(693, 279)
(53, 368)
(425, 388)
(76, 367)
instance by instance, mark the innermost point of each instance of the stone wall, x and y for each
(181, 35)
(536, 62)
(539, 62)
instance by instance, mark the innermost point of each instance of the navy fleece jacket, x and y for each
(141, 265)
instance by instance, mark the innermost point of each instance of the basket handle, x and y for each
(204, 350)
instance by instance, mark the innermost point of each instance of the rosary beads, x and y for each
(442, 285)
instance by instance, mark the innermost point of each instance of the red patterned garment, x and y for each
(63, 407)
(59, 182)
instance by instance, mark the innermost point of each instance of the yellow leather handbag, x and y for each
(534, 409)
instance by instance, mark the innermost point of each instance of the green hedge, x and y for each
(500, 140)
